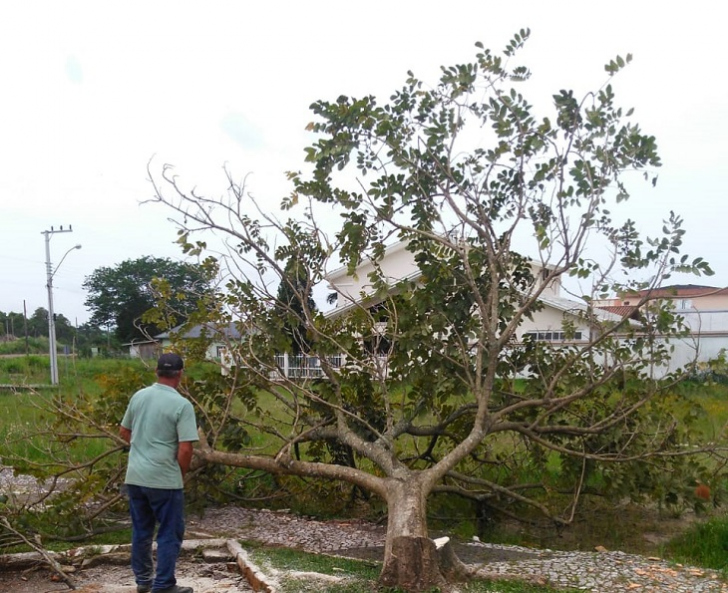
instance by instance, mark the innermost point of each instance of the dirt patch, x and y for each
(107, 578)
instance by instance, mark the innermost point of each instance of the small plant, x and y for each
(713, 371)
(705, 545)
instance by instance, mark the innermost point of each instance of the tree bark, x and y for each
(411, 559)
(451, 567)
(413, 565)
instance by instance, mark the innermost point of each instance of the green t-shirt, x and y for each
(159, 418)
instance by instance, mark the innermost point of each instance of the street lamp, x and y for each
(49, 285)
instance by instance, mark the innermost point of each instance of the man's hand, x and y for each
(125, 434)
(184, 456)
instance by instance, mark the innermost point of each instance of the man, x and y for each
(160, 426)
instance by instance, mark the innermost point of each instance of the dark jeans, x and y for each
(148, 507)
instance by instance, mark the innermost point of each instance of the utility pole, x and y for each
(49, 285)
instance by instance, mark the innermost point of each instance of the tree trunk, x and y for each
(411, 559)
(413, 565)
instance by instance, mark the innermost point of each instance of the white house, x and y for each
(398, 264)
(704, 310)
(219, 336)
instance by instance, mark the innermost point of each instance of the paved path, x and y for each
(597, 572)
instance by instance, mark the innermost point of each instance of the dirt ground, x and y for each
(110, 578)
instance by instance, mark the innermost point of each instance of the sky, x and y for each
(95, 92)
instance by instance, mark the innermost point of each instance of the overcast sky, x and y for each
(91, 91)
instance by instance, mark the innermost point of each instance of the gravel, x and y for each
(598, 572)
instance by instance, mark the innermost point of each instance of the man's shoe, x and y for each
(144, 588)
(175, 589)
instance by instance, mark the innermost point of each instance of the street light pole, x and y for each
(49, 285)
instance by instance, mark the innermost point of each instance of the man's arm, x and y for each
(184, 456)
(125, 434)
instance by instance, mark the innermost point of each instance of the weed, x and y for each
(704, 544)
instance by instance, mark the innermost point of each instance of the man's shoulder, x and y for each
(144, 390)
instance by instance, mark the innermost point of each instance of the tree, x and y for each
(477, 185)
(295, 303)
(12, 324)
(119, 296)
(65, 332)
(38, 323)
(91, 336)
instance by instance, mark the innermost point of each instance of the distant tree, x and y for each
(38, 323)
(119, 296)
(12, 324)
(65, 332)
(90, 336)
(294, 302)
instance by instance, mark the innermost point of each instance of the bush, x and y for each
(713, 371)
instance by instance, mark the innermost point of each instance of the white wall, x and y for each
(550, 319)
(397, 264)
(706, 322)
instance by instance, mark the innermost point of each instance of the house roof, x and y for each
(564, 305)
(681, 290)
(344, 270)
(228, 330)
(139, 342)
(368, 299)
(576, 307)
(561, 304)
(621, 310)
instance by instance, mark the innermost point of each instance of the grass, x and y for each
(21, 346)
(22, 412)
(25, 370)
(285, 559)
(705, 545)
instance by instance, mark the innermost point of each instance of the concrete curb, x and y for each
(255, 577)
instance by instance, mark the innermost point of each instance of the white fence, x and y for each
(300, 366)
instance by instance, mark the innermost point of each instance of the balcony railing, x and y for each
(300, 366)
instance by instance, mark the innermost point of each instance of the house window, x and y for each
(552, 336)
(685, 304)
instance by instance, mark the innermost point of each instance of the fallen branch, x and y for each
(54, 565)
